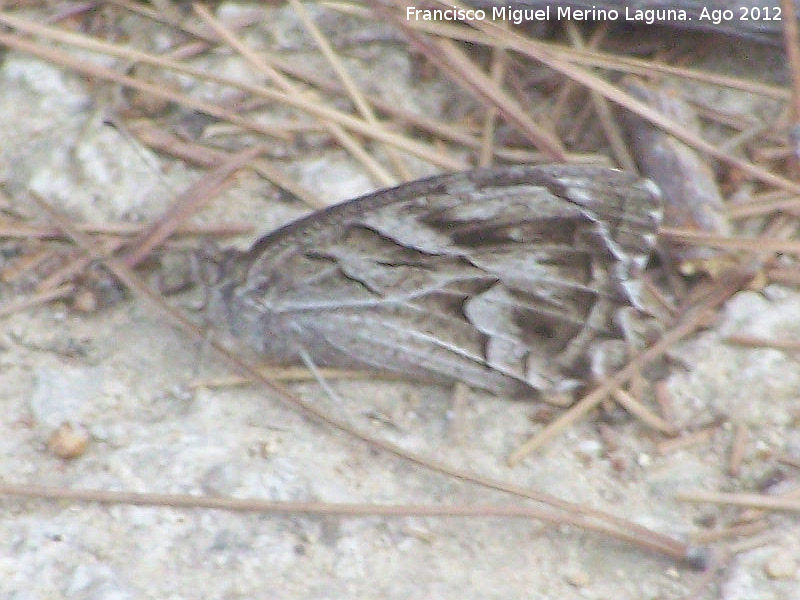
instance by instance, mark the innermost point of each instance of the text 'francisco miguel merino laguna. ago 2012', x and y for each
(648, 16)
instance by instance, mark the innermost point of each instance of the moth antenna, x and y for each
(312, 368)
(206, 269)
(204, 350)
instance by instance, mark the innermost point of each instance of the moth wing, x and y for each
(484, 276)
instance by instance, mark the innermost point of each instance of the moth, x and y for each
(503, 278)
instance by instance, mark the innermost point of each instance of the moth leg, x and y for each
(574, 355)
(609, 355)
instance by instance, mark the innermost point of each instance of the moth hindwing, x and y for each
(502, 278)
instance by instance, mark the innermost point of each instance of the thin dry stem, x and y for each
(26, 231)
(743, 530)
(59, 293)
(738, 447)
(313, 508)
(756, 342)
(759, 244)
(189, 202)
(792, 47)
(645, 415)
(497, 72)
(683, 442)
(761, 501)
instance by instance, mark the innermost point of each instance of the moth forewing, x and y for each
(502, 278)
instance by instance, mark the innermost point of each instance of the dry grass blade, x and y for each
(764, 205)
(497, 71)
(759, 244)
(743, 530)
(634, 407)
(792, 45)
(694, 438)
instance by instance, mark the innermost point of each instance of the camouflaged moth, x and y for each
(503, 278)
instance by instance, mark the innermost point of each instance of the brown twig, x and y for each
(757, 244)
(741, 499)
(497, 73)
(340, 509)
(755, 342)
(645, 415)
(26, 231)
(59, 293)
(685, 441)
(738, 447)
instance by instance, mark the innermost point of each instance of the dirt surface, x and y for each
(124, 374)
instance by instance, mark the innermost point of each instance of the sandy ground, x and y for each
(123, 373)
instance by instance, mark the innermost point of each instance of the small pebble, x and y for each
(68, 441)
(578, 579)
(781, 566)
(85, 301)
